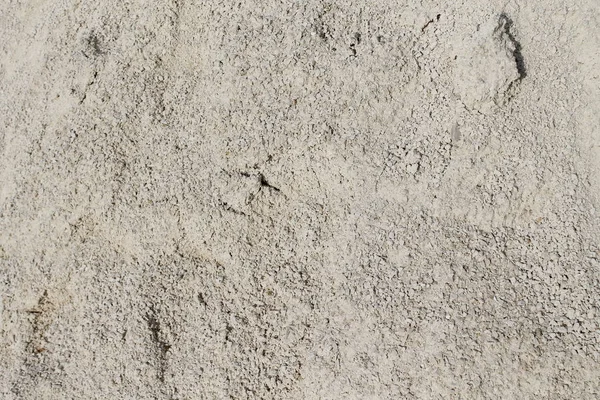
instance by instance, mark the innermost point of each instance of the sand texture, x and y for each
(352, 199)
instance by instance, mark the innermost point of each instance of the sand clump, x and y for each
(489, 65)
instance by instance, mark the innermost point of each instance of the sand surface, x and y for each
(353, 199)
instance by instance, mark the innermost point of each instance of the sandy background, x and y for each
(299, 200)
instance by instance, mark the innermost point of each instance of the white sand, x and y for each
(299, 200)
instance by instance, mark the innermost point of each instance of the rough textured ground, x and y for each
(299, 200)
